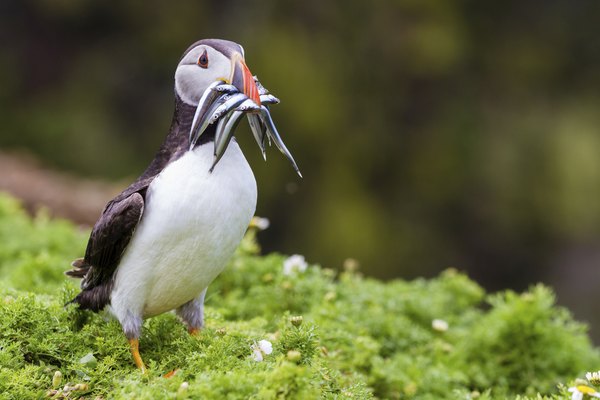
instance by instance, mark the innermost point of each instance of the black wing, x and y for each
(106, 246)
(110, 238)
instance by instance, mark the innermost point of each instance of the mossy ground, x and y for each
(358, 338)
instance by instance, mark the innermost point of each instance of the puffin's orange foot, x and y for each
(135, 352)
(194, 331)
(171, 374)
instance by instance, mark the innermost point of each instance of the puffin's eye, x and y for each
(203, 60)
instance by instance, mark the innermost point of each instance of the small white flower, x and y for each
(261, 349)
(257, 355)
(260, 223)
(295, 263)
(577, 395)
(580, 390)
(439, 325)
(265, 346)
(593, 377)
(182, 389)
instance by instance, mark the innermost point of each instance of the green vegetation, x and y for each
(357, 338)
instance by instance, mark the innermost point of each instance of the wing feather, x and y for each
(110, 237)
(108, 241)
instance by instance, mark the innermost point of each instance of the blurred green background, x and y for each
(430, 133)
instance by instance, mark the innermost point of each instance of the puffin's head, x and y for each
(212, 76)
(209, 60)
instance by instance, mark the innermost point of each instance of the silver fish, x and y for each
(224, 133)
(261, 89)
(259, 132)
(205, 119)
(268, 99)
(234, 101)
(265, 116)
(206, 101)
(248, 105)
(226, 88)
(221, 106)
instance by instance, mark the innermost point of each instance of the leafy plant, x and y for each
(333, 335)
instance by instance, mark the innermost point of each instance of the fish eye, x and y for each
(203, 60)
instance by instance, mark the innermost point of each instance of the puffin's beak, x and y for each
(243, 80)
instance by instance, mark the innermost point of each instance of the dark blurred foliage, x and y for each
(430, 133)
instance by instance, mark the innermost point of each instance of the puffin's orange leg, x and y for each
(193, 332)
(135, 352)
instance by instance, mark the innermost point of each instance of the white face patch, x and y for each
(191, 80)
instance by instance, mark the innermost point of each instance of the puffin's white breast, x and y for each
(193, 220)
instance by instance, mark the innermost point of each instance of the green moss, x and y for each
(357, 338)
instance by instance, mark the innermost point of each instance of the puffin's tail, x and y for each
(93, 298)
(80, 269)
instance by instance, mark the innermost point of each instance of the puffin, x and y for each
(159, 244)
